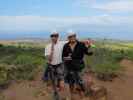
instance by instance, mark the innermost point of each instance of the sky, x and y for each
(98, 18)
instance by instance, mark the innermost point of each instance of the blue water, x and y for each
(22, 35)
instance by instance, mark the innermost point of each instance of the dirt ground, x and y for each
(119, 89)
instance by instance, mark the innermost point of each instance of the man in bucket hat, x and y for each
(73, 54)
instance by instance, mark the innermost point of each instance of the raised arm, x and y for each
(47, 53)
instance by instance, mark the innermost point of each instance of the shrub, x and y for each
(1, 45)
(19, 63)
(105, 61)
(3, 74)
(129, 54)
(107, 68)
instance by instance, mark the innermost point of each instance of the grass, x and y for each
(22, 62)
(107, 56)
(18, 63)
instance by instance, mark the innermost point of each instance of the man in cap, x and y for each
(73, 54)
(53, 54)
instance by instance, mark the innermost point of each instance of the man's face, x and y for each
(72, 39)
(54, 38)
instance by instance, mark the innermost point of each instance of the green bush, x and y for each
(129, 54)
(27, 65)
(107, 68)
(117, 55)
(19, 63)
(1, 45)
(105, 61)
(4, 74)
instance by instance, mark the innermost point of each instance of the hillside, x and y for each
(22, 65)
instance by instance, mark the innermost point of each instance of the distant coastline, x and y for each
(45, 36)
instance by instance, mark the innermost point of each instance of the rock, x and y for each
(98, 93)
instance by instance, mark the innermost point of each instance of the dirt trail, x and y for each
(27, 90)
(120, 89)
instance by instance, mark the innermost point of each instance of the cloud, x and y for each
(103, 23)
(111, 6)
(116, 6)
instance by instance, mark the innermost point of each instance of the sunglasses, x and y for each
(54, 36)
(72, 36)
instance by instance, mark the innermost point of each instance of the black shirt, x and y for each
(77, 54)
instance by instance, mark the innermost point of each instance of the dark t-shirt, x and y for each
(77, 55)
